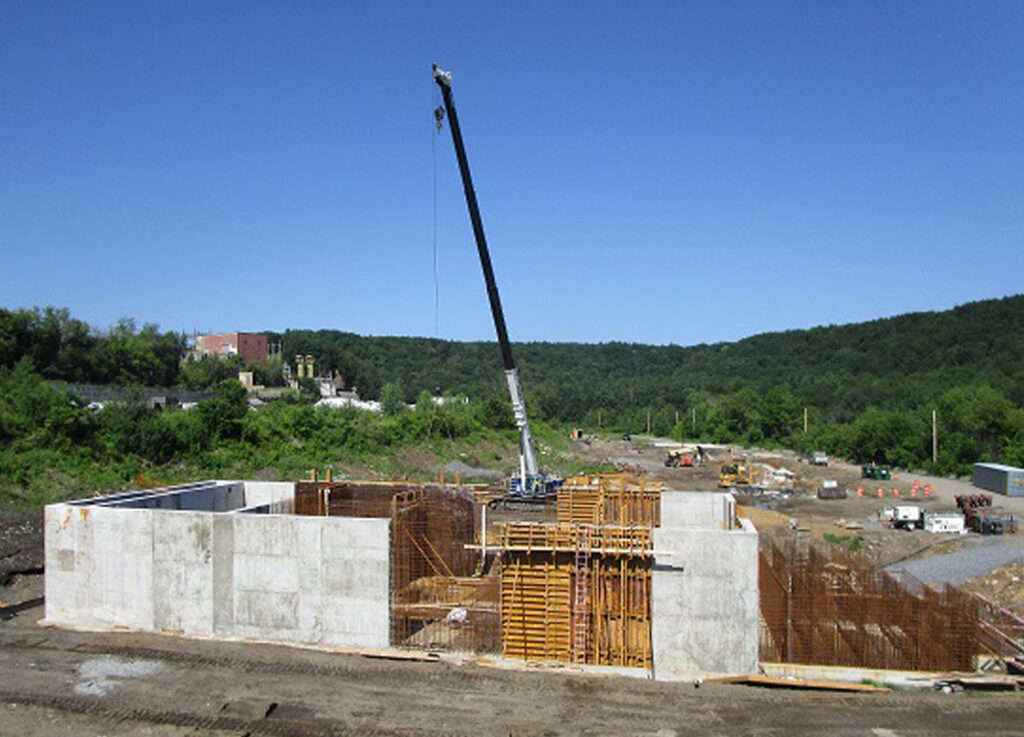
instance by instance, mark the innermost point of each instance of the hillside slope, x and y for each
(902, 362)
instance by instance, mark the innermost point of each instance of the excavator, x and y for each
(530, 485)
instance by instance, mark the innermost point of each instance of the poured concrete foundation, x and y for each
(211, 559)
(229, 559)
(705, 605)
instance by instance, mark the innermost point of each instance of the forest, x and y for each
(869, 390)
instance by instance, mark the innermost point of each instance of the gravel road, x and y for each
(982, 555)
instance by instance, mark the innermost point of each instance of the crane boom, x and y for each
(527, 457)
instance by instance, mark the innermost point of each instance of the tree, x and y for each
(222, 415)
(392, 399)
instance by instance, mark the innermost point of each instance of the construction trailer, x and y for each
(1005, 480)
(630, 576)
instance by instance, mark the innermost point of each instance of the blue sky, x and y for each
(671, 172)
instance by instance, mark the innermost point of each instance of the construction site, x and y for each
(627, 576)
(616, 573)
(645, 600)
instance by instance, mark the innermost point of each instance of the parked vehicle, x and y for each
(819, 458)
(831, 489)
(679, 458)
(904, 517)
(878, 473)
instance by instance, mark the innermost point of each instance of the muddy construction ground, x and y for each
(56, 682)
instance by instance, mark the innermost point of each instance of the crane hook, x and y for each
(438, 117)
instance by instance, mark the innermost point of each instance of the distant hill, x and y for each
(899, 363)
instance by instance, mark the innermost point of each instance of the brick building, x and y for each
(252, 347)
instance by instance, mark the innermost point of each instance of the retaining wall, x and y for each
(229, 573)
(705, 604)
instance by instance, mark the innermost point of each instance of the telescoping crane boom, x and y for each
(532, 484)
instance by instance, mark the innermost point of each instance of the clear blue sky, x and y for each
(676, 172)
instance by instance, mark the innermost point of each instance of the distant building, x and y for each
(252, 347)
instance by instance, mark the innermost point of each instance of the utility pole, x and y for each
(935, 436)
(677, 417)
(693, 420)
(805, 420)
(648, 422)
(599, 418)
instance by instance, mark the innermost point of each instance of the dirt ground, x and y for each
(55, 682)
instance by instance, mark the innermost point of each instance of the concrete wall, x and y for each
(705, 605)
(312, 580)
(697, 509)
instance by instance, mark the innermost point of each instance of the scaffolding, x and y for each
(576, 593)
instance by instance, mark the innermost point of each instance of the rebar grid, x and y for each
(436, 601)
(835, 610)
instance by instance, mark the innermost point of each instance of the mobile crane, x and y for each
(531, 484)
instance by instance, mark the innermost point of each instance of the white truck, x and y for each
(904, 518)
(819, 458)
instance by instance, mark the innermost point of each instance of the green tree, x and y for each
(392, 399)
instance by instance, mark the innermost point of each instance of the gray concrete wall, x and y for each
(705, 606)
(310, 580)
(697, 509)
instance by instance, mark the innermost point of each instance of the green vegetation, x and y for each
(852, 542)
(869, 389)
(52, 446)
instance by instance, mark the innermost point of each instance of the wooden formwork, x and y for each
(612, 499)
(576, 593)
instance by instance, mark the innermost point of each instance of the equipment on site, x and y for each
(681, 459)
(735, 474)
(819, 458)
(949, 522)
(904, 518)
(981, 517)
(531, 484)
(830, 489)
(878, 473)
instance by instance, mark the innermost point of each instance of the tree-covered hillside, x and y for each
(869, 389)
(898, 363)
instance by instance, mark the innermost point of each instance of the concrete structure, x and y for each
(212, 560)
(1007, 480)
(230, 559)
(252, 347)
(705, 604)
